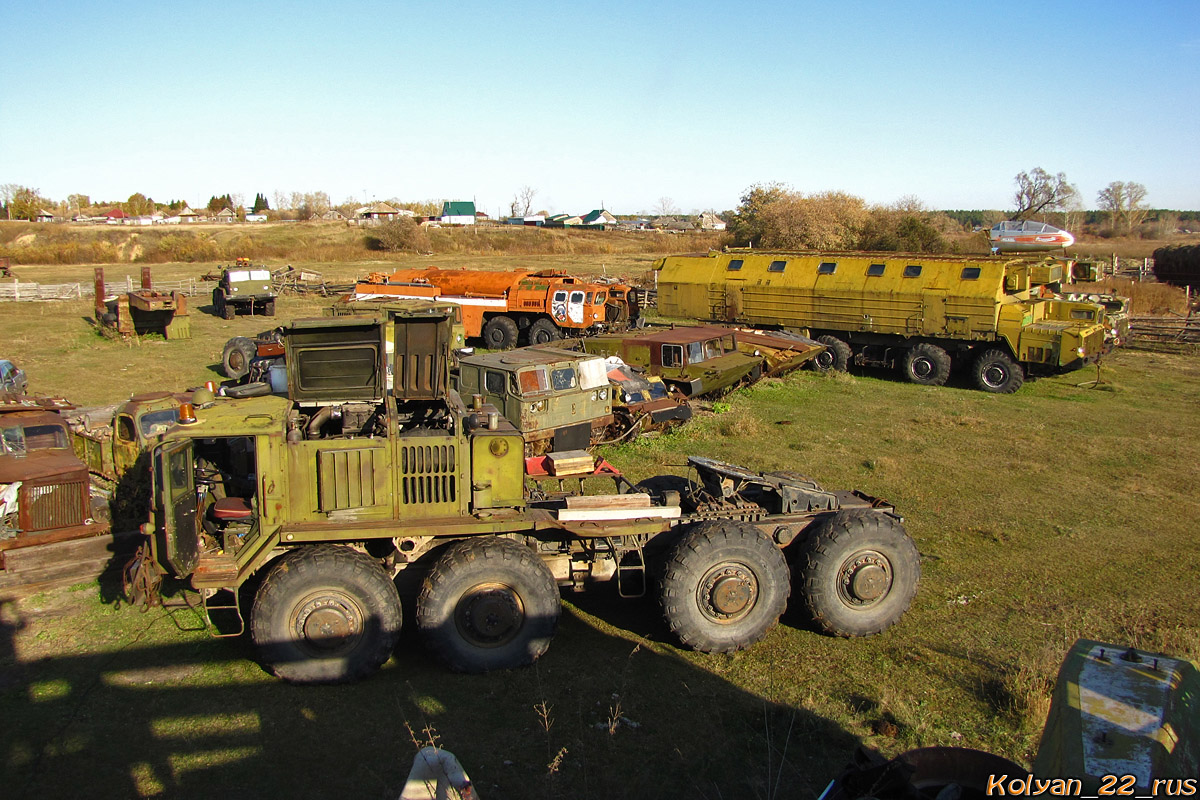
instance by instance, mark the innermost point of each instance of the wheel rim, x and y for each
(542, 337)
(490, 615)
(864, 579)
(922, 368)
(824, 360)
(728, 592)
(328, 623)
(994, 375)
(237, 361)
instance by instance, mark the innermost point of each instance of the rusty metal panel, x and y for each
(50, 506)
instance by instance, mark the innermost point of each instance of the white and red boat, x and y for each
(1025, 235)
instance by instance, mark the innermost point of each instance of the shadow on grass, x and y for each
(153, 708)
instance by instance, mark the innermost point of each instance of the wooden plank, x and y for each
(585, 514)
(570, 462)
(632, 500)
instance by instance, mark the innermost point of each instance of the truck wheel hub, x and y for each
(490, 614)
(328, 623)
(728, 592)
(864, 579)
(995, 375)
(922, 367)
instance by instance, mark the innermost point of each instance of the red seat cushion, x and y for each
(229, 508)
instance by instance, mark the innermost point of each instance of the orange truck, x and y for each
(512, 307)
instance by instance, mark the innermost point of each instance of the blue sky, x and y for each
(617, 103)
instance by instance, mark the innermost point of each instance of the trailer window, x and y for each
(493, 382)
(827, 268)
(776, 266)
(970, 273)
(562, 379)
(912, 271)
(734, 265)
(672, 355)
(875, 270)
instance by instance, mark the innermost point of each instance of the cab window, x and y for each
(156, 422)
(45, 437)
(776, 266)
(695, 352)
(126, 432)
(576, 297)
(562, 379)
(875, 270)
(672, 355)
(588, 299)
(533, 381)
(734, 265)
(712, 348)
(827, 268)
(970, 273)
(560, 296)
(600, 298)
(493, 382)
(1082, 313)
(912, 271)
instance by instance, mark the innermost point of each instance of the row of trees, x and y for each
(773, 215)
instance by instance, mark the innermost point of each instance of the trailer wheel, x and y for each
(927, 364)
(500, 333)
(994, 371)
(859, 573)
(543, 331)
(269, 308)
(488, 604)
(724, 586)
(239, 352)
(325, 614)
(836, 356)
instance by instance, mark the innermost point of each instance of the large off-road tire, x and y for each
(325, 614)
(221, 306)
(994, 371)
(858, 573)
(836, 356)
(927, 364)
(724, 586)
(488, 604)
(269, 308)
(543, 331)
(239, 352)
(500, 333)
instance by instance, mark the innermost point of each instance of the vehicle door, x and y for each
(178, 531)
(575, 307)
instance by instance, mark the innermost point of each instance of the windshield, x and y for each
(45, 437)
(156, 422)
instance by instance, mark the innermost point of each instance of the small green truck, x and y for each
(373, 485)
(244, 287)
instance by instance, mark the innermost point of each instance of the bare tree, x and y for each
(522, 202)
(7, 192)
(665, 207)
(1039, 191)
(1125, 203)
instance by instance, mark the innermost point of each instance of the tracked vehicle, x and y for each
(305, 519)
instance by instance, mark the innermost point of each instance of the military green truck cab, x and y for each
(699, 360)
(244, 287)
(373, 480)
(559, 399)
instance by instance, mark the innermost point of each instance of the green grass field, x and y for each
(1062, 511)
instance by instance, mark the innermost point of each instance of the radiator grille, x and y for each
(59, 505)
(427, 474)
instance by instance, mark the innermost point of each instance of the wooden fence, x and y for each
(18, 291)
(1177, 334)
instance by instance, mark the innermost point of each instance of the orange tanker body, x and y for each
(505, 308)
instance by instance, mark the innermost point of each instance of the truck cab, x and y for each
(700, 360)
(244, 286)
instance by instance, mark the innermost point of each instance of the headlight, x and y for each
(1081, 351)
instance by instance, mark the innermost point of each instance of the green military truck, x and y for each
(244, 287)
(307, 518)
(918, 313)
(558, 399)
(697, 360)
